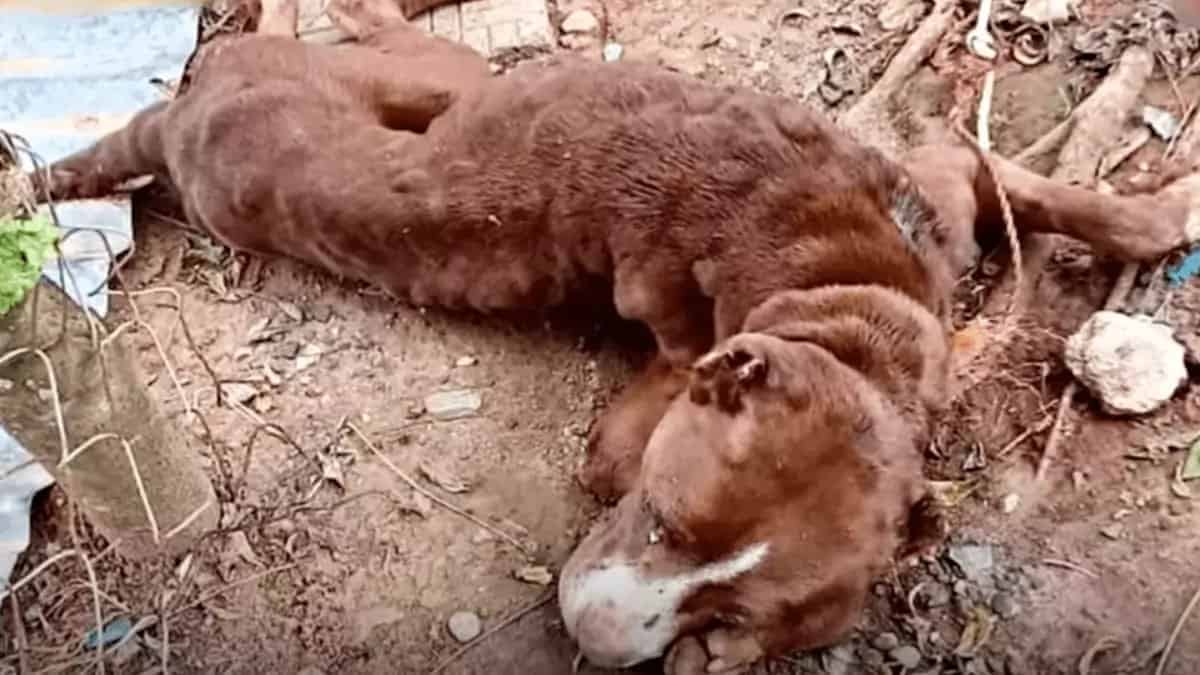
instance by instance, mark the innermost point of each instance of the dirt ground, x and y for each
(328, 560)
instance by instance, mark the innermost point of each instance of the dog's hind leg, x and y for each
(1130, 227)
(414, 77)
(116, 159)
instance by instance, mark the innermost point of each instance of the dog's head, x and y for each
(770, 494)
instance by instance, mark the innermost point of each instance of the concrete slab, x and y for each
(488, 26)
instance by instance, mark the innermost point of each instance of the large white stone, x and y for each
(1131, 364)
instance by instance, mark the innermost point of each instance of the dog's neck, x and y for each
(896, 343)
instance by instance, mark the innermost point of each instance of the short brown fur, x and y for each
(795, 280)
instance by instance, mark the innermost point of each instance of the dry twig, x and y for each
(1183, 619)
(1116, 299)
(412, 483)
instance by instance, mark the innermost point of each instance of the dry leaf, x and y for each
(292, 311)
(976, 633)
(1191, 465)
(240, 545)
(331, 470)
(535, 574)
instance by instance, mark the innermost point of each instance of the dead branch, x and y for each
(869, 119)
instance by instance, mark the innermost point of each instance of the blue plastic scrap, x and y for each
(1186, 269)
(112, 633)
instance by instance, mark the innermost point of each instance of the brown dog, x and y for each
(769, 464)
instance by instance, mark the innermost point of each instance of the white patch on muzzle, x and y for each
(621, 618)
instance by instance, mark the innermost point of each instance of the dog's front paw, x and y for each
(724, 651)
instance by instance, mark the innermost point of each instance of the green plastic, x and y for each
(25, 245)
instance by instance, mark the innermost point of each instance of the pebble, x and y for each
(885, 642)
(872, 657)
(975, 560)
(1004, 606)
(937, 596)
(466, 361)
(452, 405)
(6, 386)
(465, 626)
(613, 52)
(580, 21)
(908, 657)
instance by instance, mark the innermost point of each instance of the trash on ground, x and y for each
(452, 405)
(1185, 269)
(23, 478)
(1161, 122)
(112, 633)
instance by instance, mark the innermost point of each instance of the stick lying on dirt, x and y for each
(870, 118)
(1116, 300)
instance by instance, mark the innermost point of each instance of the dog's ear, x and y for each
(924, 528)
(727, 372)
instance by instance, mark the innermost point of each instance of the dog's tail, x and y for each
(111, 164)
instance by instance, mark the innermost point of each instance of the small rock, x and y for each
(1112, 532)
(452, 405)
(466, 361)
(5, 386)
(1011, 502)
(871, 658)
(263, 405)
(1131, 364)
(580, 21)
(1004, 606)
(885, 642)
(837, 660)
(465, 626)
(937, 596)
(975, 560)
(308, 357)
(239, 392)
(908, 657)
(613, 52)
